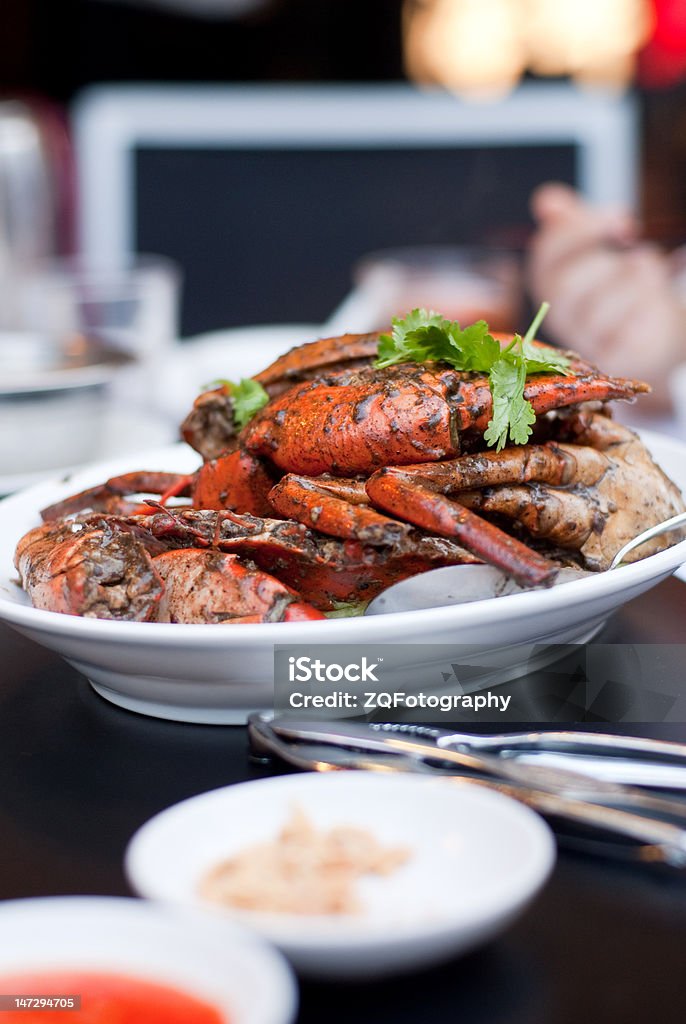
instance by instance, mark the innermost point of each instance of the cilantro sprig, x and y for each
(248, 398)
(346, 609)
(424, 336)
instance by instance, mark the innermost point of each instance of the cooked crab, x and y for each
(382, 473)
(400, 434)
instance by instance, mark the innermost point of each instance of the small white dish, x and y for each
(219, 963)
(476, 860)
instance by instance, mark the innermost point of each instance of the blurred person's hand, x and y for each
(613, 299)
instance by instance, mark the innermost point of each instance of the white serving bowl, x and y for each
(476, 860)
(227, 967)
(218, 674)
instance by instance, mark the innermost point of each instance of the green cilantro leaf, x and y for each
(423, 336)
(248, 398)
(512, 413)
(420, 334)
(346, 609)
(477, 350)
(386, 351)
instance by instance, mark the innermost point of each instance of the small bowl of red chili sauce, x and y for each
(107, 960)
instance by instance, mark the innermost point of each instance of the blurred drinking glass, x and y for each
(78, 344)
(464, 283)
(29, 201)
(129, 307)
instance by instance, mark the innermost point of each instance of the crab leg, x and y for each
(317, 504)
(563, 517)
(236, 481)
(550, 463)
(420, 493)
(581, 497)
(110, 496)
(402, 493)
(323, 570)
(545, 392)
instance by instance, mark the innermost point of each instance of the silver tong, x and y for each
(655, 826)
(565, 741)
(632, 760)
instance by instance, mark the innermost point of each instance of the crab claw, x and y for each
(236, 481)
(213, 587)
(97, 568)
(402, 494)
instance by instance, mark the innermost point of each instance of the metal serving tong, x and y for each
(645, 839)
(622, 751)
(632, 760)
(409, 741)
(641, 838)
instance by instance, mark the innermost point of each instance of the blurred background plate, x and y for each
(232, 354)
(33, 363)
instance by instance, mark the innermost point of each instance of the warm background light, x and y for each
(589, 39)
(484, 46)
(466, 45)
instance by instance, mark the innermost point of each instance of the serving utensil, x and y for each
(600, 755)
(659, 842)
(654, 531)
(553, 780)
(462, 584)
(561, 741)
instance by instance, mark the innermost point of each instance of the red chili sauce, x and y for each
(105, 999)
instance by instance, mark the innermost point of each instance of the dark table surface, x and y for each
(604, 942)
